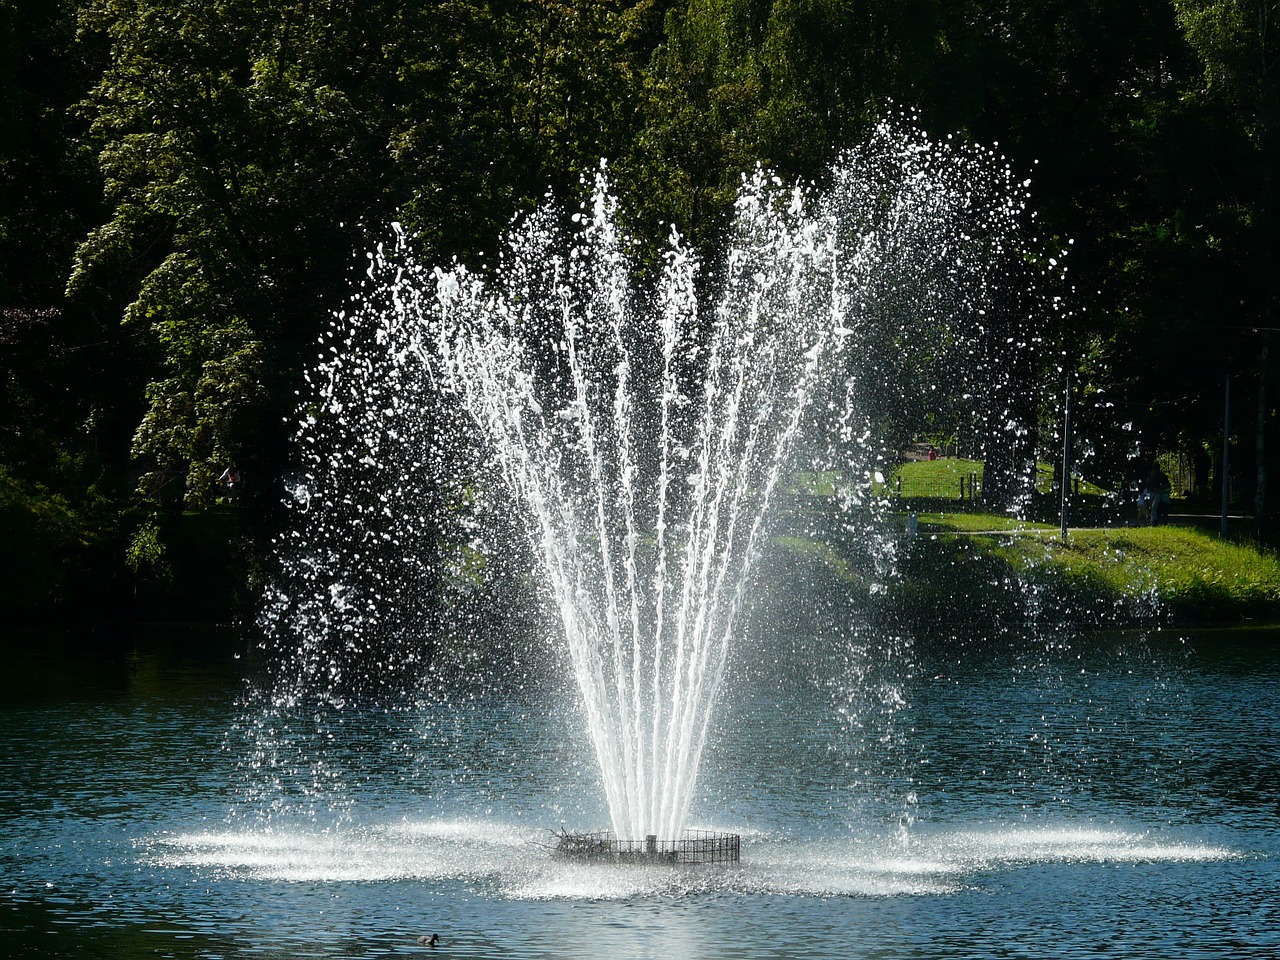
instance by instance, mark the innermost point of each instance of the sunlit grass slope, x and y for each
(1194, 576)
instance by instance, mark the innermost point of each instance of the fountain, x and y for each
(642, 431)
(937, 793)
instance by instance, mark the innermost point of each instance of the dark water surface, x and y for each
(1109, 795)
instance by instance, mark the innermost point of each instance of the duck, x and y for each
(430, 941)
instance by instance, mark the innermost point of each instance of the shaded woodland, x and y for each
(188, 187)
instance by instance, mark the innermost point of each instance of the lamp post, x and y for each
(1226, 453)
(1066, 453)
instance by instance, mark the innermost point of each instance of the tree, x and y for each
(787, 84)
(1089, 99)
(244, 148)
(250, 148)
(1238, 42)
(65, 376)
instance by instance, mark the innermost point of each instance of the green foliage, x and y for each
(249, 149)
(146, 553)
(52, 540)
(47, 182)
(234, 144)
(1192, 267)
(784, 84)
(37, 526)
(1237, 42)
(227, 159)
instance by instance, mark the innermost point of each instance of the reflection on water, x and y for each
(1110, 795)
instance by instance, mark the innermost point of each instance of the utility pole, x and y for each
(1226, 454)
(1066, 453)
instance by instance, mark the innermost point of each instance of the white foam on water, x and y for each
(468, 831)
(443, 850)
(508, 861)
(566, 881)
(1070, 844)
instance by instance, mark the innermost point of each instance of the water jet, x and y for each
(644, 432)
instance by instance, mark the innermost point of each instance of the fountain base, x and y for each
(696, 847)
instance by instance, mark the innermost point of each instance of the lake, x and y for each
(1068, 795)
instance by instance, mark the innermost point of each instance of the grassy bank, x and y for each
(992, 572)
(1185, 574)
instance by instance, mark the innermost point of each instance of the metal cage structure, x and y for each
(696, 847)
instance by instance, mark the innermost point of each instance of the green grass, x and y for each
(925, 478)
(1192, 574)
(981, 568)
(1197, 576)
(942, 470)
(941, 478)
(935, 479)
(807, 483)
(970, 522)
